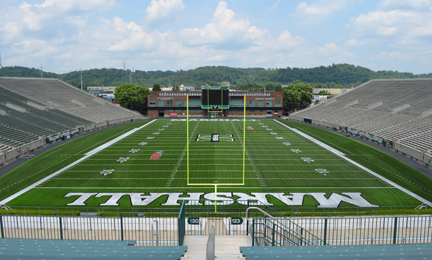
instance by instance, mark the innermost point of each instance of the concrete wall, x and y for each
(427, 159)
(418, 156)
(410, 152)
(2, 159)
(27, 149)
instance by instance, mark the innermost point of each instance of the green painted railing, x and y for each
(346, 231)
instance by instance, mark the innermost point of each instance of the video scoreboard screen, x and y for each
(215, 97)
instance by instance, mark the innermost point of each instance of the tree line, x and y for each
(333, 76)
(135, 96)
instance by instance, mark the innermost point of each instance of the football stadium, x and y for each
(325, 175)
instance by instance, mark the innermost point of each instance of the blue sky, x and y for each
(65, 35)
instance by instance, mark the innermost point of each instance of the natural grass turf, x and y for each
(372, 158)
(279, 169)
(45, 164)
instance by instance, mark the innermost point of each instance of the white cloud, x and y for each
(123, 36)
(355, 42)
(274, 6)
(332, 50)
(75, 5)
(30, 46)
(64, 39)
(395, 56)
(394, 20)
(285, 41)
(163, 10)
(405, 4)
(225, 27)
(314, 13)
(49, 19)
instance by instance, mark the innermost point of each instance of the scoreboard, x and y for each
(215, 97)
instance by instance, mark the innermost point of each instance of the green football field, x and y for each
(148, 168)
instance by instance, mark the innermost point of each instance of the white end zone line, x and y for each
(87, 155)
(331, 149)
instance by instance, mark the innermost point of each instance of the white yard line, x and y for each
(223, 164)
(171, 178)
(101, 179)
(212, 188)
(333, 150)
(87, 155)
(257, 172)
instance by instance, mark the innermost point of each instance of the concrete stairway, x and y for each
(227, 247)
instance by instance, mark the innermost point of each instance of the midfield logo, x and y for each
(215, 137)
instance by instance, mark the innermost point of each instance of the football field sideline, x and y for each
(87, 155)
(281, 159)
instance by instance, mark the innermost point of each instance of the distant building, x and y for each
(173, 103)
(182, 88)
(225, 83)
(186, 88)
(332, 91)
(100, 91)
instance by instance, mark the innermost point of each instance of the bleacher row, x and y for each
(55, 93)
(383, 252)
(11, 248)
(397, 110)
(31, 109)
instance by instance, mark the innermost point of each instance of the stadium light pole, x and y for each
(81, 80)
(187, 136)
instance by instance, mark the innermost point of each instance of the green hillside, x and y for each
(343, 74)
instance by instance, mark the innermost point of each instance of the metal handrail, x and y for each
(211, 244)
(155, 234)
(289, 230)
(259, 203)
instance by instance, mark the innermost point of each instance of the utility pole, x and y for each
(124, 79)
(41, 70)
(0, 61)
(81, 80)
